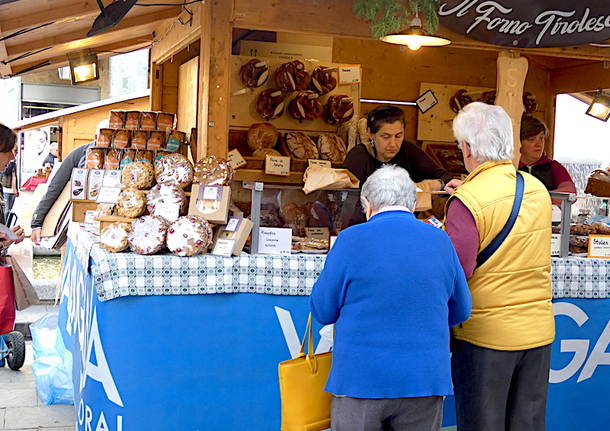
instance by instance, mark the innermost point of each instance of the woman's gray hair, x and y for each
(487, 129)
(388, 186)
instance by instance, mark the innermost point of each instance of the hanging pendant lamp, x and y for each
(415, 37)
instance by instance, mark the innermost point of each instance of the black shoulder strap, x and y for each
(498, 240)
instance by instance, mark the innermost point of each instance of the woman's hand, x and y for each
(17, 230)
(452, 185)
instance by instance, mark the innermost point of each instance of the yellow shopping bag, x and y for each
(305, 405)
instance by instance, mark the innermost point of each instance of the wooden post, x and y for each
(512, 70)
(156, 86)
(214, 70)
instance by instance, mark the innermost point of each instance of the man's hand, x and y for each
(17, 230)
(35, 236)
(452, 185)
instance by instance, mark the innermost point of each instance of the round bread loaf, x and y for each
(189, 236)
(174, 169)
(167, 201)
(301, 146)
(148, 234)
(114, 237)
(331, 147)
(262, 135)
(213, 171)
(131, 203)
(139, 175)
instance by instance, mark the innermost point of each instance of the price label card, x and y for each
(323, 163)
(555, 245)
(224, 247)
(599, 246)
(349, 75)
(211, 193)
(90, 216)
(317, 232)
(235, 159)
(273, 240)
(108, 195)
(232, 224)
(277, 165)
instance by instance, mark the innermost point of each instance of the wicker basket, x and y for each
(599, 184)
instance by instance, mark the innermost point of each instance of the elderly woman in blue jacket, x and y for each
(393, 287)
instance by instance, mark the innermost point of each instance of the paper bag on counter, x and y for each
(318, 178)
(424, 195)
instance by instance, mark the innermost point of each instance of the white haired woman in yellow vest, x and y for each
(499, 221)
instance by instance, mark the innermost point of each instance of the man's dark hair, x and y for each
(384, 114)
(8, 138)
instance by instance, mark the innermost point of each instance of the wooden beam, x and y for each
(45, 12)
(175, 35)
(582, 78)
(336, 18)
(214, 70)
(5, 69)
(62, 60)
(156, 86)
(80, 34)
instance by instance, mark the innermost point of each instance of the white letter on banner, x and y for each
(101, 371)
(598, 356)
(101, 423)
(292, 339)
(578, 347)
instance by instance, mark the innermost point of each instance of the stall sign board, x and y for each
(277, 165)
(528, 23)
(235, 159)
(599, 246)
(272, 240)
(555, 244)
(349, 75)
(322, 163)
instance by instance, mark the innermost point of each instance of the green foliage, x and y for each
(391, 16)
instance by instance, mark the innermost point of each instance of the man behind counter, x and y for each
(386, 127)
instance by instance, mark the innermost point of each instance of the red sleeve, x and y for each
(462, 229)
(560, 173)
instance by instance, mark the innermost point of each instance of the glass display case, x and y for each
(287, 206)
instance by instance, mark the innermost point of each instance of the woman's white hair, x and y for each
(389, 185)
(487, 129)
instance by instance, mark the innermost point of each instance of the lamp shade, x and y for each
(600, 107)
(83, 67)
(415, 37)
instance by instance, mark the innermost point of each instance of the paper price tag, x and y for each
(108, 195)
(210, 193)
(277, 165)
(232, 224)
(323, 163)
(599, 246)
(224, 247)
(90, 216)
(317, 232)
(349, 75)
(555, 245)
(235, 159)
(273, 240)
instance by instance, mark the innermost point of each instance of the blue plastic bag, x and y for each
(52, 366)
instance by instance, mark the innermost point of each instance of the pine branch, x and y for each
(391, 16)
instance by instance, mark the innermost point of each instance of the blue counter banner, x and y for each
(209, 362)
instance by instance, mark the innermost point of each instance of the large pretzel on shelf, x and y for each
(322, 80)
(254, 73)
(270, 104)
(305, 106)
(338, 109)
(291, 77)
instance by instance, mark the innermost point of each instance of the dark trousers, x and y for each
(387, 414)
(500, 390)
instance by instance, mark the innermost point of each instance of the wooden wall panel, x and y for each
(187, 95)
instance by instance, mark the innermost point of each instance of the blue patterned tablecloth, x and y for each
(129, 274)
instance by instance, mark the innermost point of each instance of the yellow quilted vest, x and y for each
(511, 292)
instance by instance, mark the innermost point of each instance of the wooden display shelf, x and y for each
(254, 175)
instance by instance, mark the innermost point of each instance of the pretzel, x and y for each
(270, 104)
(291, 77)
(254, 73)
(338, 109)
(322, 80)
(305, 106)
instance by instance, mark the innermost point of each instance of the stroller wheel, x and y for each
(16, 350)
